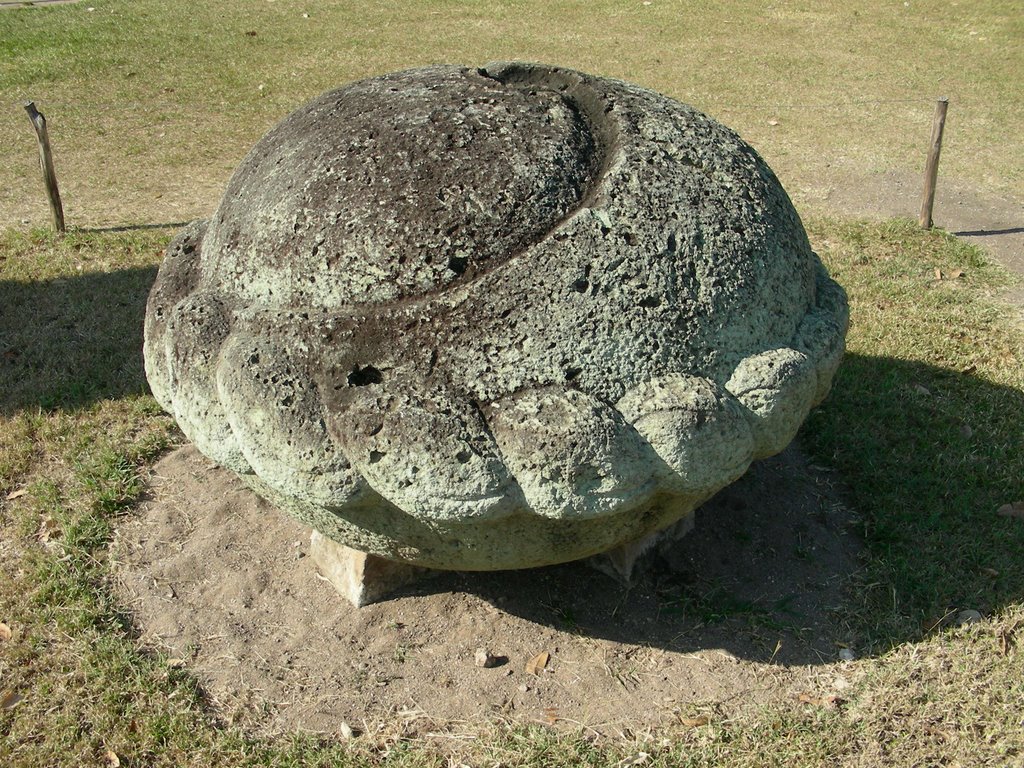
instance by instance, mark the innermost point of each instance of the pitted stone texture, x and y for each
(494, 318)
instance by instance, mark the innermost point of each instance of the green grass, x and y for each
(925, 423)
(925, 490)
(153, 103)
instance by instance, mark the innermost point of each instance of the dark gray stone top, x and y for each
(399, 186)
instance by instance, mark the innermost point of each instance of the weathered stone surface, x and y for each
(494, 318)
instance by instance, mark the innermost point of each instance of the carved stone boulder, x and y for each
(493, 318)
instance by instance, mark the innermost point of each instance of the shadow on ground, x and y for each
(174, 225)
(990, 232)
(763, 575)
(67, 342)
(780, 568)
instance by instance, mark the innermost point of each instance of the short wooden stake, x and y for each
(931, 169)
(46, 164)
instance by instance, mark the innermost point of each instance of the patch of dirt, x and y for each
(746, 610)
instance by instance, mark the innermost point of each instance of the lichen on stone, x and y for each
(494, 318)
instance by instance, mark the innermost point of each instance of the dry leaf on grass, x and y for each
(1015, 509)
(955, 274)
(938, 273)
(1005, 635)
(550, 715)
(16, 494)
(537, 664)
(48, 529)
(110, 758)
(5, 633)
(828, 702)
(9, 699)
(695, 722)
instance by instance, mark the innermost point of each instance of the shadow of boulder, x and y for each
(69, 341)
(764, 575)
(888, 537)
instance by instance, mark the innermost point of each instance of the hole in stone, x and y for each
(650, 301)
(572, 373)
(672, 243)
(254, 359)
(457, 264)
(375, 456)
(463, 456)
(630, 238)
(581, 285)
(361, 377)
(375, 429)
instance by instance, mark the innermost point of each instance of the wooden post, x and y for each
(46, 164)
(931, 169)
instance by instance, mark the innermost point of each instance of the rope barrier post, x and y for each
(46, 164)
(931, 169)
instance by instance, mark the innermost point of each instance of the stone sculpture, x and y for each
(493, 318)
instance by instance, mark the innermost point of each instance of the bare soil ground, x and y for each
(746, 610)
